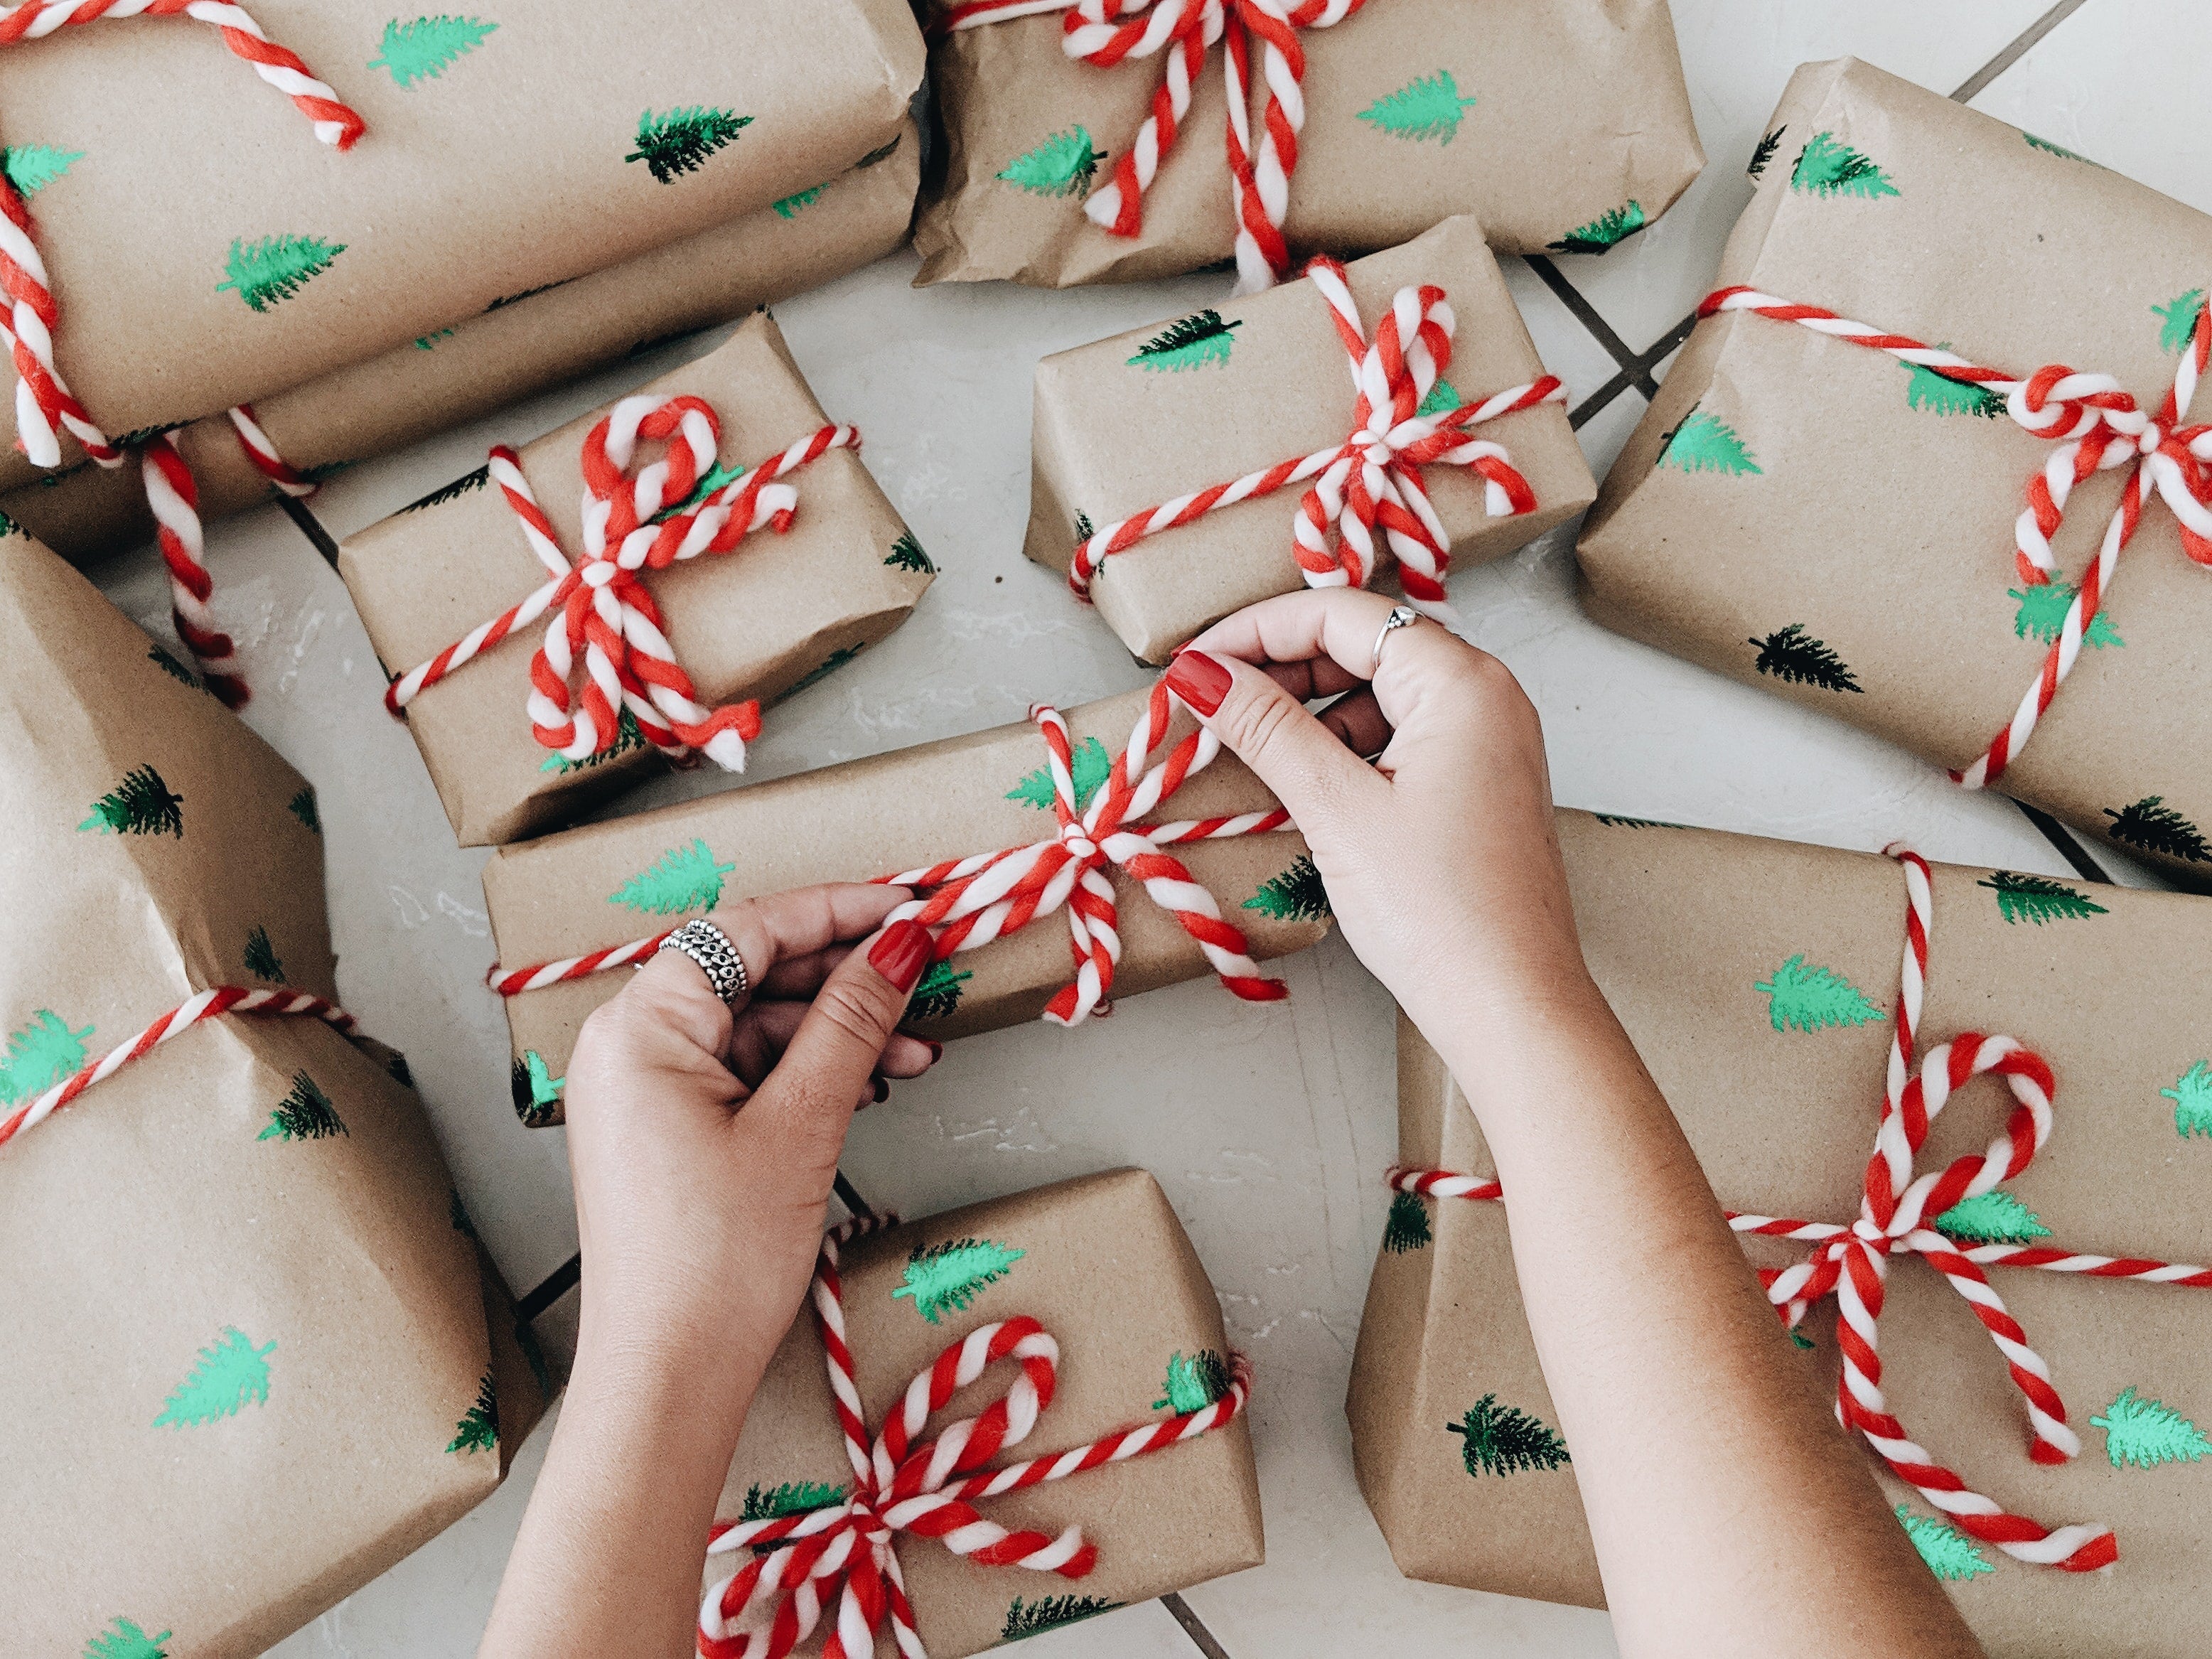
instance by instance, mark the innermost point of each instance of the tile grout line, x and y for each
(2068, 848)
(1973, 86)
(311, 527)
(1193, 1626)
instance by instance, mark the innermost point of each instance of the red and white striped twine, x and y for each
(223, 1000)
(602, 605)
(2097, 426)
(1105, 33)
(43, 405)
(968, 902)
(902, 1484)
(1852, 1260)
(1373, 478)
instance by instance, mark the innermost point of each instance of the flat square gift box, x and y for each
(570, 910)
(1087, 1293)
(748, 624)
(1759, 982)
(256, 1355)
(520, 345)
(1127, 430)
(1560, 124)
(1874, 530)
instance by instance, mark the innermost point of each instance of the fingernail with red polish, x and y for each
(1200, 680)
(936, 1050)
(900, 953)
(883, 1090)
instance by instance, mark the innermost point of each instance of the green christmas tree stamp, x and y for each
(2145, 1433)
(679, 141)
(275, 268)
(2041, 617)
(261, 958)
(176, 670)
(2050, 148)
(1443, 397)
(1193, 1384)
(421, 50)
(1705, 443)
(32, 168)
(1506, 1440)
(938, 993)
(1828, 166)
(535, 1090)
(1089, 766)
(717, 476)
(2192, 1095)
(142, 804)
(1995, 1217)
(302, 807)
(1406, 1227)
(629, 739)
(1188, 343)
(1939, 394)
(478, 1428)
(465, 484)
(681, 879)
(1619, 821)
(39, 1056)
(1063, 165)
(789, 1497)
(907, 554)
(1763, 152)
(2038, 899)
(1950, 1554)
(1297, 895)
(232, 1374)
(304, 1114)
(429, 341)
(1802, 997)
(1795, 657)
(788, 207)
(829, 666)
(1614, 225)
(125, 1639)
(1426, 106)
(1050, 1613)
(2177, 320)
(2152, 826)
(942, 1279)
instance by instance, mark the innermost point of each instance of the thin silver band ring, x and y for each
(1403, 615)
(709, 948)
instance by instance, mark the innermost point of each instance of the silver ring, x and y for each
(1403, 615)
(710, 947)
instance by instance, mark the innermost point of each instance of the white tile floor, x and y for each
(1277, 1179)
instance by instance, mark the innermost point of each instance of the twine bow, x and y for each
(845, 1551)
(1851, 1261)
(1107, 33)
(602, 608)
(2097, 426)
(1372, 480)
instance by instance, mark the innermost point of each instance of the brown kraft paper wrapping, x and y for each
(1680, 927)
(564, 895)
(1107, 1269)
(756, 622)
(156, 1468)
(472, 182)
(1115, 435)
(1559, 123)
(519, 347)
(1878, 524)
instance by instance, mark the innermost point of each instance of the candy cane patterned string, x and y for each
(268, 461)
(2097, 426)
(1851, 1261)
(1373, 478)
(902, 1484)
(601, 605)
(174, 498)
(223, 1000)
(968, 902)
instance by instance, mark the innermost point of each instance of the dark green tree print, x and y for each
(678, 140)
(231, 1375)
(305, 1114)
(1406, 1227)
(302, 807)
(1063, 165)
(2038, 898)
(422, 49)
(276, 268)
(907, 554)
(261, 958)
(142, 804)
(1614, 225)
(1506, 1440)
(1939, 394)
(629, 738)
(176, 670)
(460, 487)
(535, 1090)
(1297, 895)
(942, 1279)
(478, 1428)
(1188, 343)
(830, 665)
(1427, 106)
(1810, 999)
(1792, 655)
(790, 1498)
(1619, 821)
(938, 993)
(1827, 167)
(2155, 827)
(1050, 1613)
(1764, 152)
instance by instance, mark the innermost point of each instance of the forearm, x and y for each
(1730, 1512)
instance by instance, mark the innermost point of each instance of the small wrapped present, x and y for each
(1092, 141)
(255, 1355)
(2055, 1206)
(1103, 1456)
(667, 605)
(521, 344)
(1872, 483)
(1021, 844)
(1180, 473)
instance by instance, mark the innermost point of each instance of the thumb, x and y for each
(1308, 768)
(826, 1068)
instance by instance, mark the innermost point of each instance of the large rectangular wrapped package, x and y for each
(754, 623)
(519, 346)
(568, 909)
(1103, 1265)
(1862, 533)
(1757, 980)
(205, 250)
(1152, 416)
(1558, 124)
(255, 1355)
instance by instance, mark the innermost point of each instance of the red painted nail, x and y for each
(936, 1050)
(901, 952)
(1200, 680)
(883, 1090)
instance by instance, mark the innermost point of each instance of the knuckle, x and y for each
(852, 1010)
(1261, 721)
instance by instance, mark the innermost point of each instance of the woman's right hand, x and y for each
(1441, 859)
